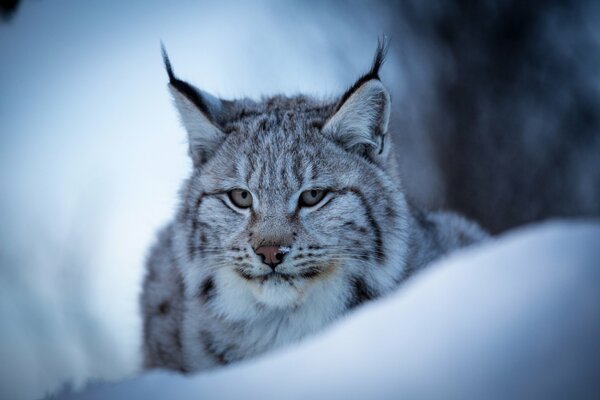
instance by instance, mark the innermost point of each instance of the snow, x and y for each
(516, 317)
(284, 249)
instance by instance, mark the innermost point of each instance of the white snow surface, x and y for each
(516, 317)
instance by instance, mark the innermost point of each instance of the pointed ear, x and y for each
(361, 116)
(199, 113)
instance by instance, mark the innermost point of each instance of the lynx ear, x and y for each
(360, 120)
(199, 112)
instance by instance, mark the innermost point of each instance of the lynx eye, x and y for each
(240, 198)
(312, 197)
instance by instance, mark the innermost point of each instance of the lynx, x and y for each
(293, 215)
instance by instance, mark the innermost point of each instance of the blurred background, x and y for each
(495, 114)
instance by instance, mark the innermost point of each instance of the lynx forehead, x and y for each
(293, 214)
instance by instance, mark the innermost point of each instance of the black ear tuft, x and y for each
(187, 90)
(382, 48)
(167, 62)
(378, 60)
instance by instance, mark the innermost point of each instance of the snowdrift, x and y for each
(517, 317)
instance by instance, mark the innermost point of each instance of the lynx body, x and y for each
(293, 215)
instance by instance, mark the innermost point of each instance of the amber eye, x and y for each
(240, 197)
(312, 197)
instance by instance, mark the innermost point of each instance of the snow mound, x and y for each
(517, 317)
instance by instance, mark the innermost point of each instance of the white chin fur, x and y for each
(276, 292)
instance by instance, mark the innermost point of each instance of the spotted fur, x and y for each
(208, 300)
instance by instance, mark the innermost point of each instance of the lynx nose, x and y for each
(271, 255)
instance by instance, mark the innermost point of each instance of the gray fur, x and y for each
(357, 244)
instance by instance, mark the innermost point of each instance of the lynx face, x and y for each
(289, 195)
(282, 206)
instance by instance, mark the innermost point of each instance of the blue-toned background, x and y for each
(495, 113)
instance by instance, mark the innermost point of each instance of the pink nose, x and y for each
(271, 255)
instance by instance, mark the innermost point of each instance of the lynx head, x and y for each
(290, 198)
